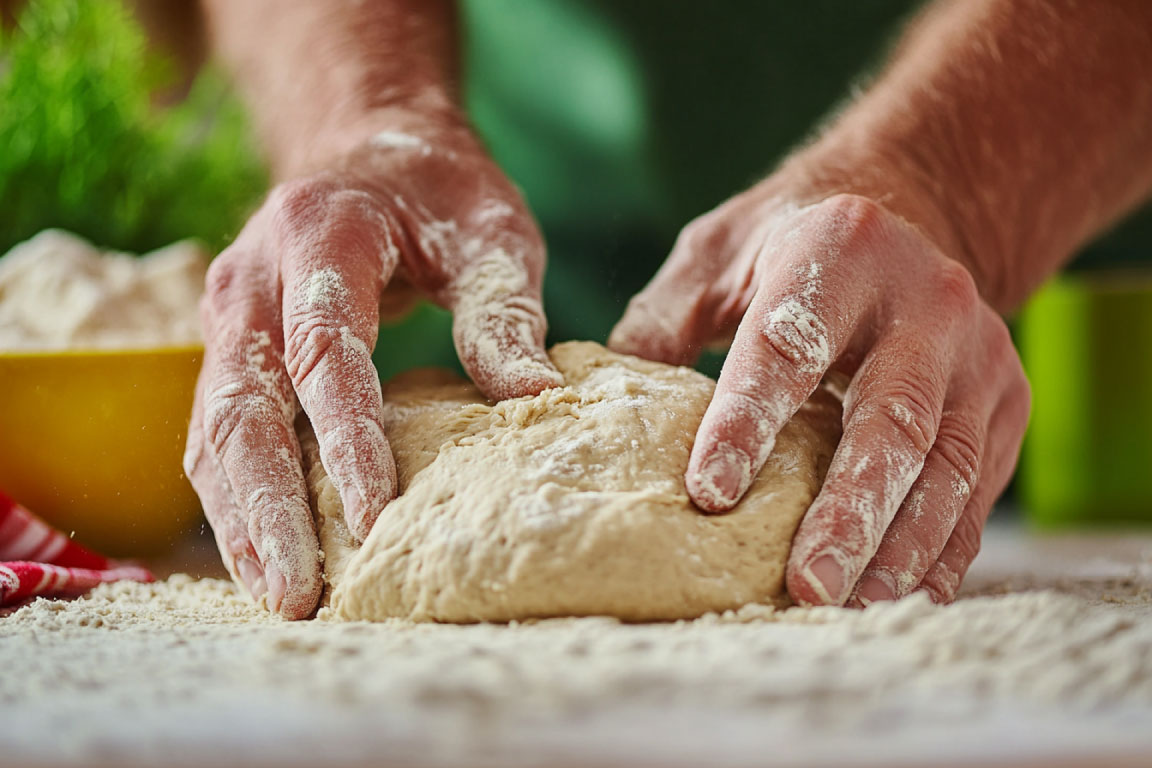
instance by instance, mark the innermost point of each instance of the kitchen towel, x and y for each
(36, 560)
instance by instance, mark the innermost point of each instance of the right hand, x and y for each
(934, 412)
(290, 318)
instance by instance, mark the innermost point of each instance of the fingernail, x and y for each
(874, 589)
(360, 517)
(252, 575)
(277, 586)
(352, 500)
(826, 576)
(363, 496)
(719, 481)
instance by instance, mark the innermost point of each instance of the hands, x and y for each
(934, 414)
(291, 315)
(1002, 181)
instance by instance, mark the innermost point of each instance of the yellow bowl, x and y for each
(92, 441)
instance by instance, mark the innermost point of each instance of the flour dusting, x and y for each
(137, 671)
(325, 289)
(499, 325)
(399, 140)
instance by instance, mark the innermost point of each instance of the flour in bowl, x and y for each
(58, 291)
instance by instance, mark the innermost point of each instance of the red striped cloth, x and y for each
(36, 560)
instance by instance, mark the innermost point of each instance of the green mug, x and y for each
(1086, 343)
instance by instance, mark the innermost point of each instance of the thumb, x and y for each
(659, 324)
(671, 320)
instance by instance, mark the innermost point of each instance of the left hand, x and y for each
(290, 316)
(933, 417)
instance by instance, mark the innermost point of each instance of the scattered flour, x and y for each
(58, 291)
(137, 673)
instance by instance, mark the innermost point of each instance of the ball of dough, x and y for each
(569, 503)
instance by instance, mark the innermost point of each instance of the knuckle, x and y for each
(351, 218)
(966, 538)
(960, 445)
(228, 409)
(849, 516)
(797, 337)
(300, 198)
(909, 411)
(856, 219)
(236, 287)
(221, 281)
(270, 513)
(954, 289)
(307, 342)
(525, 314)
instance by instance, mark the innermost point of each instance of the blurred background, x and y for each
(621, 121)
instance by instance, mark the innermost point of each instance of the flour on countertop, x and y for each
(194, 665)
(58, 291)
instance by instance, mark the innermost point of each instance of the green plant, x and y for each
(82, 146)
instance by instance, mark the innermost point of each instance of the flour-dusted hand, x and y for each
(934, 413)
(290, 319)
(946, 192)
(385, 194)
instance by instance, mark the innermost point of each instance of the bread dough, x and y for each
(570, 503)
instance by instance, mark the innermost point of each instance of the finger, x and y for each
(337, 250)
(790, 335)
(954, 467)
(499, 326)
(249, 406)
(929, 513)
(892, 415)
(227, 521)
(942, 581)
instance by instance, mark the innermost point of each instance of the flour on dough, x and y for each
(570, 503)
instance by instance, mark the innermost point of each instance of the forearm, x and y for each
(1009, 131)
(323, 75)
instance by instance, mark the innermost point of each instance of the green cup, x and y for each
(1086, 343)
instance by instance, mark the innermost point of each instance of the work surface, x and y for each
(1047, 661)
